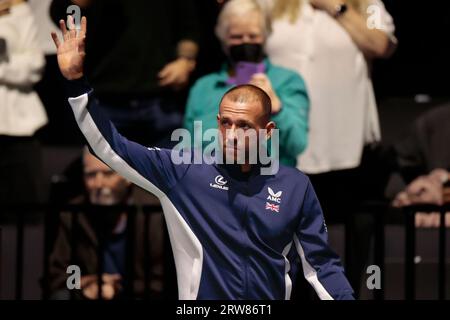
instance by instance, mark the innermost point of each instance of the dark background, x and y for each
(421, 63)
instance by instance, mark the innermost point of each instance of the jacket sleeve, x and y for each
(150, 168)
(321, 266)
(292, 120)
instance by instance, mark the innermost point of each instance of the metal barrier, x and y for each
(378, 211)
(1, 254)
(410, 249)
(52, 213)
(19, 212)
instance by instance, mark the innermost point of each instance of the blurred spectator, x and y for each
(22, 113)
(425, 147)
(105, 187)
(60, 129)
(139, 66)
(210, 55)
(332, 43)
(242, 29)
(41, 11)
(423, 158)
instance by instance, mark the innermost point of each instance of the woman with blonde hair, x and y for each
(331, 43)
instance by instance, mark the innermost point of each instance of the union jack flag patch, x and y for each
(273, 207)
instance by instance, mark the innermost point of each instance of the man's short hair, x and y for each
(248, 93)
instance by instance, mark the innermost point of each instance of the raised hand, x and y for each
(262, 81)
(71, 51)
(176, 73)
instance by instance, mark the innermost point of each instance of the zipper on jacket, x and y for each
(246, 251)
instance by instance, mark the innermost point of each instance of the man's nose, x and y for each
(231, 133)
(99, 180)
(246, 39)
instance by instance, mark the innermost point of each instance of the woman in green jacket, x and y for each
(242, 29)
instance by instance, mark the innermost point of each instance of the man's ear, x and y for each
(269, 127)
(218, 119)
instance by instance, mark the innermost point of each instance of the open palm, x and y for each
(71, 51)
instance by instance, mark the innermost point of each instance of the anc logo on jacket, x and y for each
(275, 197)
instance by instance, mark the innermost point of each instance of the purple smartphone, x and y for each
(245, 71)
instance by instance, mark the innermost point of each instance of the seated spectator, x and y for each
(242, 29)
(423, 159)
(105, 187)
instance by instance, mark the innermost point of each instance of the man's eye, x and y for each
(244, 126)
(90, 175)
(108, 173)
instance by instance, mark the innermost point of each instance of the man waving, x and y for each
(231, 227)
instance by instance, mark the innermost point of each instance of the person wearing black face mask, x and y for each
(242, 29)
(246, 52)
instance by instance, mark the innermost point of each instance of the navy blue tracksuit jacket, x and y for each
(230, 234)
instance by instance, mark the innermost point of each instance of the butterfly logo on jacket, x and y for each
(275, 197)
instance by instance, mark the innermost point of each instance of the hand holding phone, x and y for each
(246, 70)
